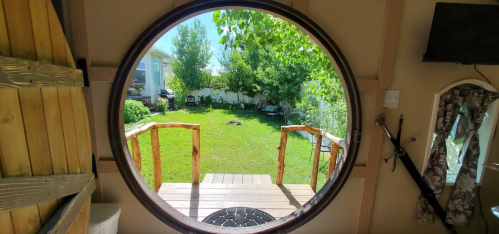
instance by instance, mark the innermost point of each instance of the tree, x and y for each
(280, 81)
(254, 30)
(191, 50)
(237, 74)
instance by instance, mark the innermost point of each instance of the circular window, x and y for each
(150, 199)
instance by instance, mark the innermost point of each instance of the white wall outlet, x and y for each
(391, 99)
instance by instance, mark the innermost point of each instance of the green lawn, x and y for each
(247, 149)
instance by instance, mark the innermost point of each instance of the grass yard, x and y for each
(247, 149)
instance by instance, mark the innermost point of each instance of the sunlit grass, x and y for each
(247, 149)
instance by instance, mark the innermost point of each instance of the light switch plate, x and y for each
(391, 99)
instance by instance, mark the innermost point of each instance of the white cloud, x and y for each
(211, 48)
(215, 70)
(225, 29)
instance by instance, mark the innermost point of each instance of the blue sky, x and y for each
(165, 42)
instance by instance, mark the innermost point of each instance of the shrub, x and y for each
(161, 104)
(135, 111)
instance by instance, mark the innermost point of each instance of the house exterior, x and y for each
(150, 73)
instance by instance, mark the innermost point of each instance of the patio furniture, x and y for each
(238, 217)
(261, 106)
(270, 111)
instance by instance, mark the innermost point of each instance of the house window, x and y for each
(156, 70)
(457, 137)
(140, 72)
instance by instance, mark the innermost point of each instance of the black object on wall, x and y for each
(464, 33)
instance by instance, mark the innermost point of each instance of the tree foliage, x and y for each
(192, 52)
(293, 57)
(237, 74)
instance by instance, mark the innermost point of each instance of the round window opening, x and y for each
(226, 82)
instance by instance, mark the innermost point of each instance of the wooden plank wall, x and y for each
(44, 130)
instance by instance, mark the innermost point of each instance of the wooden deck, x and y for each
(220, 191)
(237, 179)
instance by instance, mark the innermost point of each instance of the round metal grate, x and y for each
(238, 217)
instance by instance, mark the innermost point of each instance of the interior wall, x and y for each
(396, 195)
(357, 28)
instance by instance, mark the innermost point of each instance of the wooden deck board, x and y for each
(238, 179)
(266, 179)
(247, 179)
(218, 179)
(198, 201)
(208, 178)
(228, 178)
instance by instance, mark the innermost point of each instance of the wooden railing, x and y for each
(156, 154)
(335, 144)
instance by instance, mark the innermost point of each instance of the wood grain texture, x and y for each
(359, 172)
(218, 178)
(292, 128)
(336, 140)
(37, 140)
(177, 125)
(281, 157)
(156, 158)
(5, 217)
(20, 32)
(84, 153)
(196, 155)
(332, 160)
(293, 187)
(208, 178)
(68, 126)
(18, 18)
(4, 35)
(393, 21)
(17, 192)
(32, 104)
(57, 37)
(257, 179)
(137, 158)
(266, 179)
(139, 131)
(315, 167)
(41, 31)
(228, 179)
(108, 166)
(67, 214)
(21, 73)
(368, 85)
(54, 130)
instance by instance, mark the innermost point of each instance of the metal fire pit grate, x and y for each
(238, 217)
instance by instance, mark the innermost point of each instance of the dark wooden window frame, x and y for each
(148, 197)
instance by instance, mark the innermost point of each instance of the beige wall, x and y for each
(357, 28)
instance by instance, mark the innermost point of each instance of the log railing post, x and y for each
(315, 169)
(156, 158)
(282, 155)
(136, 153)
(332, 160)
(195, 155)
